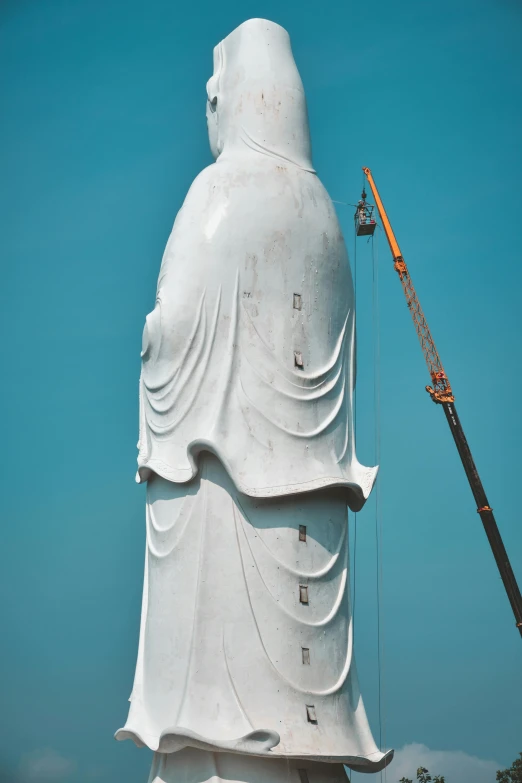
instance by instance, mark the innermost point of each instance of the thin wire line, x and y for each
(381, 523)
(354, 358)
(377, 492)
(378, 511)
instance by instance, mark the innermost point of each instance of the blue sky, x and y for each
(102, 132)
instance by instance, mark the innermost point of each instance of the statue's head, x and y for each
(255, 97)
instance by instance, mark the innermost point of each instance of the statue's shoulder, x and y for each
(217, 174)
(201, 183)
(208, 183)
(197, 198)
(268, 183)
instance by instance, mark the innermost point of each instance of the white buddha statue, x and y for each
(245, 666)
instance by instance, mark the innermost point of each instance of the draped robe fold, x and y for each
(248, 290)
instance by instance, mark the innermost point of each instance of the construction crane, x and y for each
(441, 391)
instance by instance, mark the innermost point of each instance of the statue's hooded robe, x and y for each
(247, 445)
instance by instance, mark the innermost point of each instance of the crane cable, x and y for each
(377, 456)
(378, 511)
(354, 426)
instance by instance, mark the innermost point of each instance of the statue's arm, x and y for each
(187, 267)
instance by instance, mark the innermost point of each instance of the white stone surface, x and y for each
(196, 766)
(246, 438)
(219, 349)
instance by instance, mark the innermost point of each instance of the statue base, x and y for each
(200, 766)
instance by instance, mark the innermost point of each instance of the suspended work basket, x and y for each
(364, 220)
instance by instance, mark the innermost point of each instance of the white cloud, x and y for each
(456, 766)
(45, 766)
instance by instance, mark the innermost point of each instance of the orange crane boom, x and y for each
(442, 393)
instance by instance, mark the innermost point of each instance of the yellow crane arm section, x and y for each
(441, 391)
